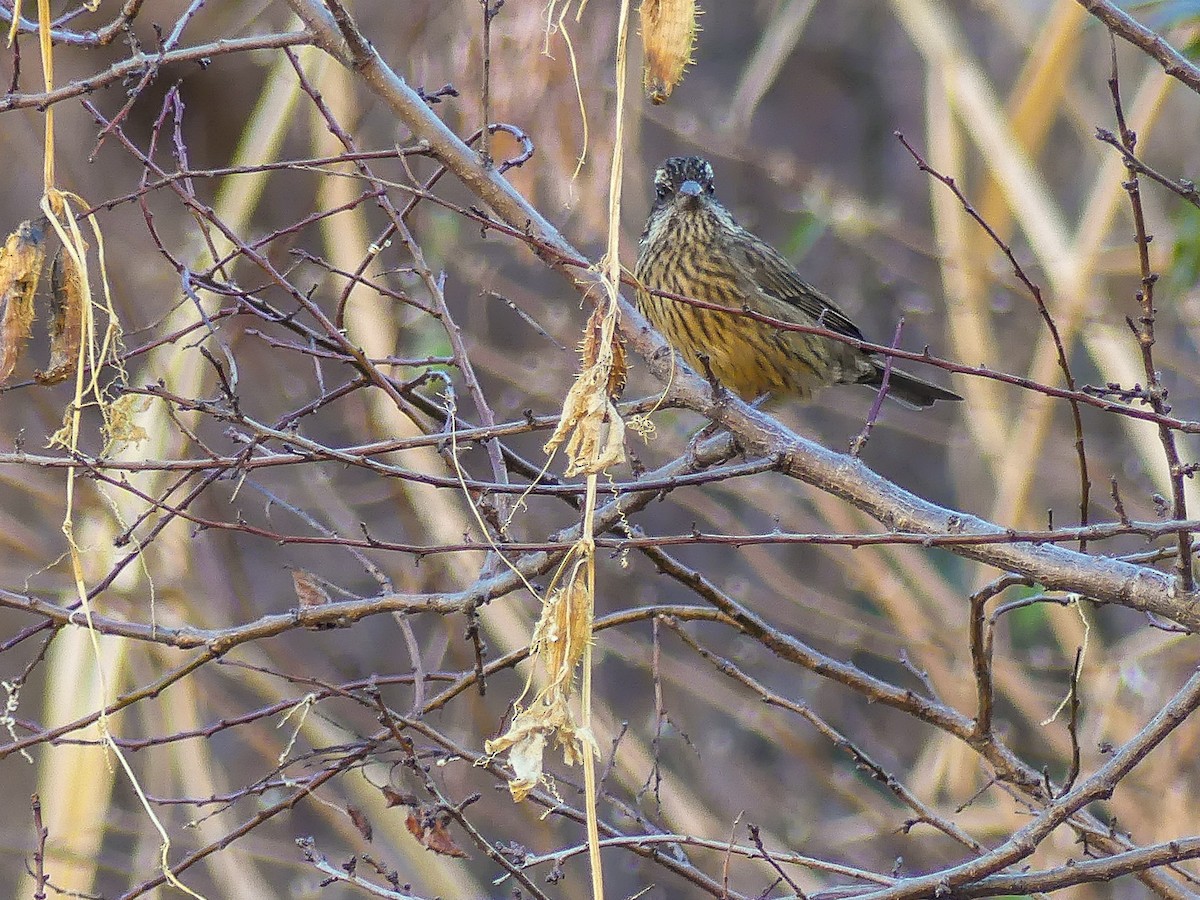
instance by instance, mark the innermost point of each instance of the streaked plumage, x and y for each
(693, 247)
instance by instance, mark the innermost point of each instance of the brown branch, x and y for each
(1184, 187)
(138, 63)
(1144, 332)
(1085, 484)
(1023, 842)
(859, 757)
(1086, 871)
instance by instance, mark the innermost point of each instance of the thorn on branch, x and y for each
(437, 96)
(1118, 506)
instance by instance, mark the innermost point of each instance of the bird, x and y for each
(693, 247)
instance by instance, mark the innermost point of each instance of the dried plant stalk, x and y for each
(20, 269)
(669, 37)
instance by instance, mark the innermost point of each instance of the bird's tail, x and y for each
(913, 392)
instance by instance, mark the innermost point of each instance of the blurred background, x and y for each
(795, 104)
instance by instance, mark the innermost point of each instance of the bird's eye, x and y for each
(663, 191)
(710, 189)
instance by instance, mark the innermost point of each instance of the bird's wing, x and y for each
(776, 277)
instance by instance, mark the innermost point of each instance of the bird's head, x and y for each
(683, 190)
(683, 180)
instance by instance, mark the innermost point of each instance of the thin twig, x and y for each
(1144, 330)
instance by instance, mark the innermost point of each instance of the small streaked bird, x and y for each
(693, 247)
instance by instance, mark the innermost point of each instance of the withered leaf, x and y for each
(393, 797)
(590, 424)
(309, 591)
(310, 594)
(431, 832)
(438, 840)
(361, 822)
(413, 823)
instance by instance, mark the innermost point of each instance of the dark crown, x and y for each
(678, 169)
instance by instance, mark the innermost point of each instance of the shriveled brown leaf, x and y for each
(413, 823)
(311, 594)
(66, 319)
(564, 627)
(361, 822)
(21, 261)
(439, 840)
(559, 640)
(393, 797)
(590, 424)
(525, 756)
(309, 591)
(528, 736)
(668, 36)
(432, 833)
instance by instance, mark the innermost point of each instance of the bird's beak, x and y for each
(689, 193)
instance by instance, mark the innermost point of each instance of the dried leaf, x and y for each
(564, 628)
(21, 261)
(309, 591)
(66, 319)
(438, 839)
(119, 426)
(669, 37)
(310, 594)
(393, 797)
(525, 757)
(526, 740)
(361, 822)
(413, 823)
(590, 424)
(558, 642)
(431, 832)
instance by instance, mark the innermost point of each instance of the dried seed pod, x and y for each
(21, 261)
(668, 37)
(559, 640)
(590, 349)
(66, 319)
